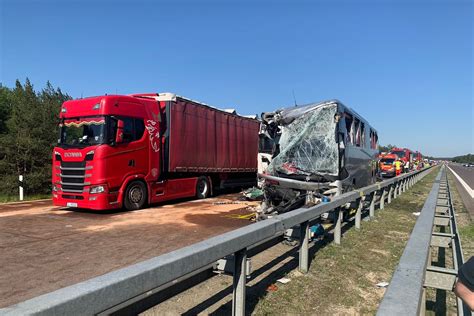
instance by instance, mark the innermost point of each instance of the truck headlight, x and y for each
(97, 189)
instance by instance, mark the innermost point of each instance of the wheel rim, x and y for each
(202, 187)
(135, 194)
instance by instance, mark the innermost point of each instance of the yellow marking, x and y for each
(237, 216)
(100, 122)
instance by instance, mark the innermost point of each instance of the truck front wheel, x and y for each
(135, 196)
(202, 188)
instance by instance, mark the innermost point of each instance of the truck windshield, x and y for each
(387, 161)
(82, 131)
(400, 154)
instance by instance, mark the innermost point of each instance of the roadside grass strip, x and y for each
(343, 278)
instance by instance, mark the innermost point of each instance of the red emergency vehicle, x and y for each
(403, 154)
(387, 165)
(127, 151)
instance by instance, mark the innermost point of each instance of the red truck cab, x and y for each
(126, 151)
(403, 154)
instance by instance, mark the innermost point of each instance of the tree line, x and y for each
(28, 133)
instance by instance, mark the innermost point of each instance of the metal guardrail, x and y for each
(116, 290)
(406, 294)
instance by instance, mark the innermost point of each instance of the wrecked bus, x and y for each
(319, 150)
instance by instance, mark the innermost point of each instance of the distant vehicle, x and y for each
(387, 165)
(128, 151)
(317, 148)
(404, 154)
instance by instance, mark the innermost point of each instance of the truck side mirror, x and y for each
(119, 133)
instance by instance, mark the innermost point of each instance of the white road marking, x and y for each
(463, 183)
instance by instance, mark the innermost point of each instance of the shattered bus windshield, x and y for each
(308, 142)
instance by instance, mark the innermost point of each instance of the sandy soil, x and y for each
(44, 248)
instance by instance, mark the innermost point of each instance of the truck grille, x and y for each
(72, 176)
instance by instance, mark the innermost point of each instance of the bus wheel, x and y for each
(203, 189)
(135, 196)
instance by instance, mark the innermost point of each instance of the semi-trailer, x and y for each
(127, 151)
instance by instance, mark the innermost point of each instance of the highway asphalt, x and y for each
(465, 189)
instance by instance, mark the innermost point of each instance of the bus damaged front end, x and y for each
(307, 157)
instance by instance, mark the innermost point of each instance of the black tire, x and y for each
(135, 196)
(203, 188)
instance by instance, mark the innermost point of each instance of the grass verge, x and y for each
(342, 279)
(10, 198)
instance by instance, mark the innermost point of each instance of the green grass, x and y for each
(342, 279)
(10, 198)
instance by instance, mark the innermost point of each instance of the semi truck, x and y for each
(127, 151)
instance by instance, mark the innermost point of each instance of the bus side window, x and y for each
(362, 135)
(349, 128)
(357, 129)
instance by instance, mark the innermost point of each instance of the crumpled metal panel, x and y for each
(308, 141)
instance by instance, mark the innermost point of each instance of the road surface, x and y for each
(44, 248)
(465, 186)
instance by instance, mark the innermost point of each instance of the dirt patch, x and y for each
(44, 248)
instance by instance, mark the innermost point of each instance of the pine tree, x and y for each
(29, 134)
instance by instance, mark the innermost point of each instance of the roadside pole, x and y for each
(20, 184)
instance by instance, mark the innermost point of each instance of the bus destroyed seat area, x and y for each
(310, 152)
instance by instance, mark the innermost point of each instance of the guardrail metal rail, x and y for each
(406, 294)
(118, 290)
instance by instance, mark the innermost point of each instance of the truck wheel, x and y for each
(202, 188)
(135, 196)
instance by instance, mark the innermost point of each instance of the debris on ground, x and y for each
(227, 202)
(317, 231)
(416, 213)
(250, 216)
(272, 288)
(253, 194)
(284, 280)
(382, 284)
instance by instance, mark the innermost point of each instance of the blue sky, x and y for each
(406, 66)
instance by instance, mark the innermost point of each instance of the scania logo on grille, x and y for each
(76, 155)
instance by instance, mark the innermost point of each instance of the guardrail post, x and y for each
(372, 205)
(338, 228)
(423, 302)
(238, 297)
(390, 192)
(304, 243)
(404, 185)
(382, 199)
(358, 216)
(401, 189)
(395, 191)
